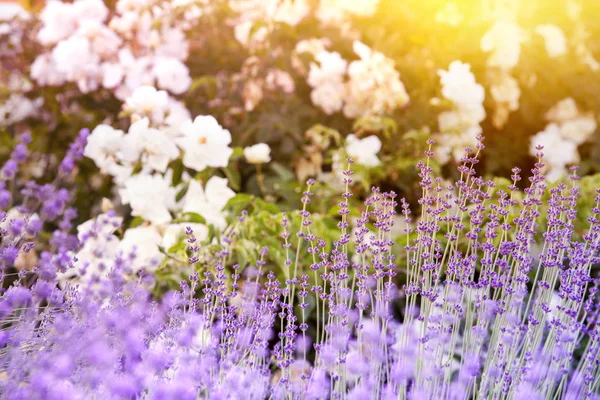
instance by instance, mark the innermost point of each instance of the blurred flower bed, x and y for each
(159, 147)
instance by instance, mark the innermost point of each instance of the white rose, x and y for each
(10, 11)
(74, 58)
(554, 39)
(258, 154)
(144, 241)
(93, 10)
(329, 97)
(449, 15)
(59, 22)
(290, 11)
(155, 147)
(95, 259)
(209, 201)
(578, 130)
(503, 40)
(150, 196)
(44, 72)
(177, 115)
(564, 110)
(459, 85)
(104, 41)
(312, 46)
(507, 91)
(172, 75)
(205, 143)
(112, 75)
(331, 66)
(146, 100)
(279, 79)
(558, 152)
(103, 145)
(364, 151)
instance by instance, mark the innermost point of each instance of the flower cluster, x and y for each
(140, 161)
(17, 106)
(256, 83)
(337, 12)
(12, 28)
(142, 44)
(251, 14)
(99, 248)
(255, 19)
(161, 131)
(467, 311)
(568, 128)
(459, 127)
(25, 207)
(368, 86)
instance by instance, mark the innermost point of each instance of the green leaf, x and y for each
(234, 177)
(264, 206)
(207, 82)
(238, 152)
(243, 258)
(240, 200)
(177, 172)
(181, 194)
(192, 217)
(212, 233)
(176, 247)
(136, 169)
(137, 221)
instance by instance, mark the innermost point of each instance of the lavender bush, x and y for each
(473, 310)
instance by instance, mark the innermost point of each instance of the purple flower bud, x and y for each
(10, 254)
(9, 169)
(5, 198)
(20, 153)
(18, 296)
